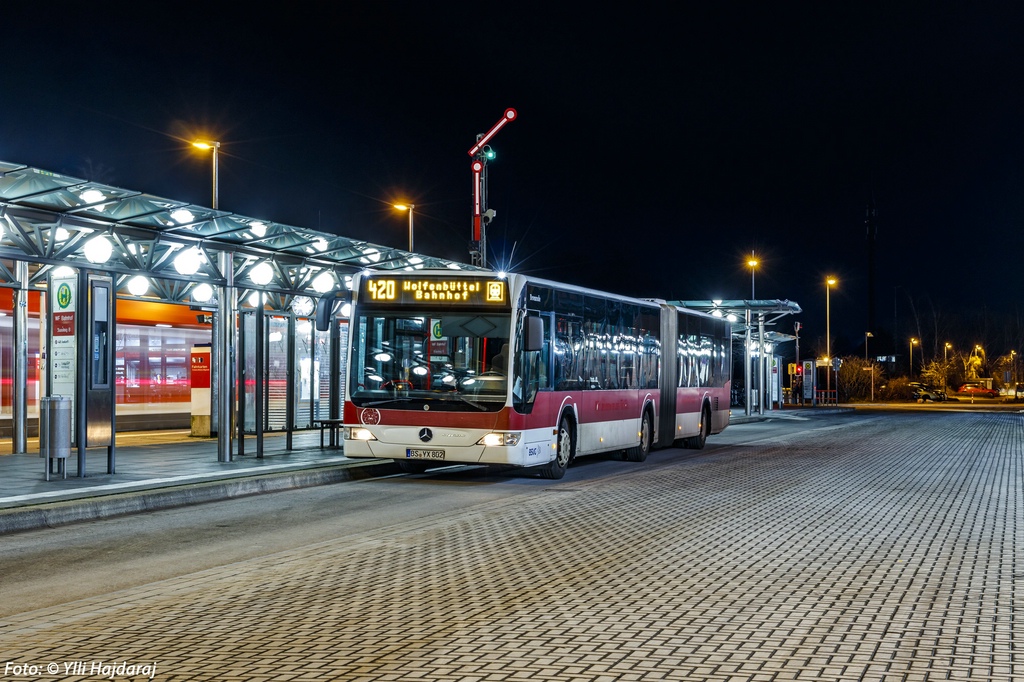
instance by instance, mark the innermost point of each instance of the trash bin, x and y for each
(55, 432)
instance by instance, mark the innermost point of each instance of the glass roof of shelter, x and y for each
(769, 310)
(48, 218)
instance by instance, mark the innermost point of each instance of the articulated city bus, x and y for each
(470, 367)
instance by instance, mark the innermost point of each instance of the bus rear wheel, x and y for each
(697, 442)
(555, 469)
(639, 452)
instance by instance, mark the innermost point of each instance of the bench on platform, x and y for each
(333, 428)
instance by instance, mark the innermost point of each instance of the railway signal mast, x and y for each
(481, 153)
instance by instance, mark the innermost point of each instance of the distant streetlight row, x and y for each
(830, 282)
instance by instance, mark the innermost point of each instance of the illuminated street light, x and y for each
(829, 283)
(913, 342)
(867, 335)
(945, 363)
(753, 262)
(215, 146)
(409, 208)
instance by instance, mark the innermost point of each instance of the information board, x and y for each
(63, 360)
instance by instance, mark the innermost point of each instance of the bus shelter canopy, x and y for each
(771, 309)
(49, 220)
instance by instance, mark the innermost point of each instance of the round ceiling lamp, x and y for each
(323, 282)
(188, 261)
(138, 285)
(262, 274)
(202, 293)
(98, 249)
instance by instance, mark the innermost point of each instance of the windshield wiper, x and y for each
(469, 401)
(396, 399)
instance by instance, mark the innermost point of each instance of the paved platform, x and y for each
(883, 548)
(161, 469)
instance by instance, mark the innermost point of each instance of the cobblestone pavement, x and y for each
(880, 548)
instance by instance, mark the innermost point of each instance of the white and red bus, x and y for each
(474, 367)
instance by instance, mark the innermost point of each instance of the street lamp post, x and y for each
(224, 321)
(975, 367)
(215, 146)
(829, 283)
(913, 342)
(871, 368)
(945, 364)
(867, 335)
(409, 208)
(753, 264)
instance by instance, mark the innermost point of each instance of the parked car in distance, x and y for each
(926, 393)
(973, 389)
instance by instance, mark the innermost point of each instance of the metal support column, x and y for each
(19, 409)
(334, 382)
(289, 386)
(746, 368)
(765, 385)
(224, 353)
(259, 407)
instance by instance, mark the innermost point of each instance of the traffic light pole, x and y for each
(480, 153)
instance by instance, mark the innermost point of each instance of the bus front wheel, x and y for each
(556, 468)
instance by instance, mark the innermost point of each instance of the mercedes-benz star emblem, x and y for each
(426, 435)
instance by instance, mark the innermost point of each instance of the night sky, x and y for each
(653, 149)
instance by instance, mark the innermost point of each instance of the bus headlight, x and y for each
(494, 440)
(359, 433)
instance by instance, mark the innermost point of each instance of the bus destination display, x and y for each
(456, 290)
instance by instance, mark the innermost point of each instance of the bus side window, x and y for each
(545, 355)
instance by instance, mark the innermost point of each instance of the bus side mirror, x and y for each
(533, 334)
(324, 310)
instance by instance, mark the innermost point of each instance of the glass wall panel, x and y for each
(277, 372)
(7, 364)
(306, 378)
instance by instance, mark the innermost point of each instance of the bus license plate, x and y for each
(424, 454)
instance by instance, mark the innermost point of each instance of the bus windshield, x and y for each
(451, 361)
